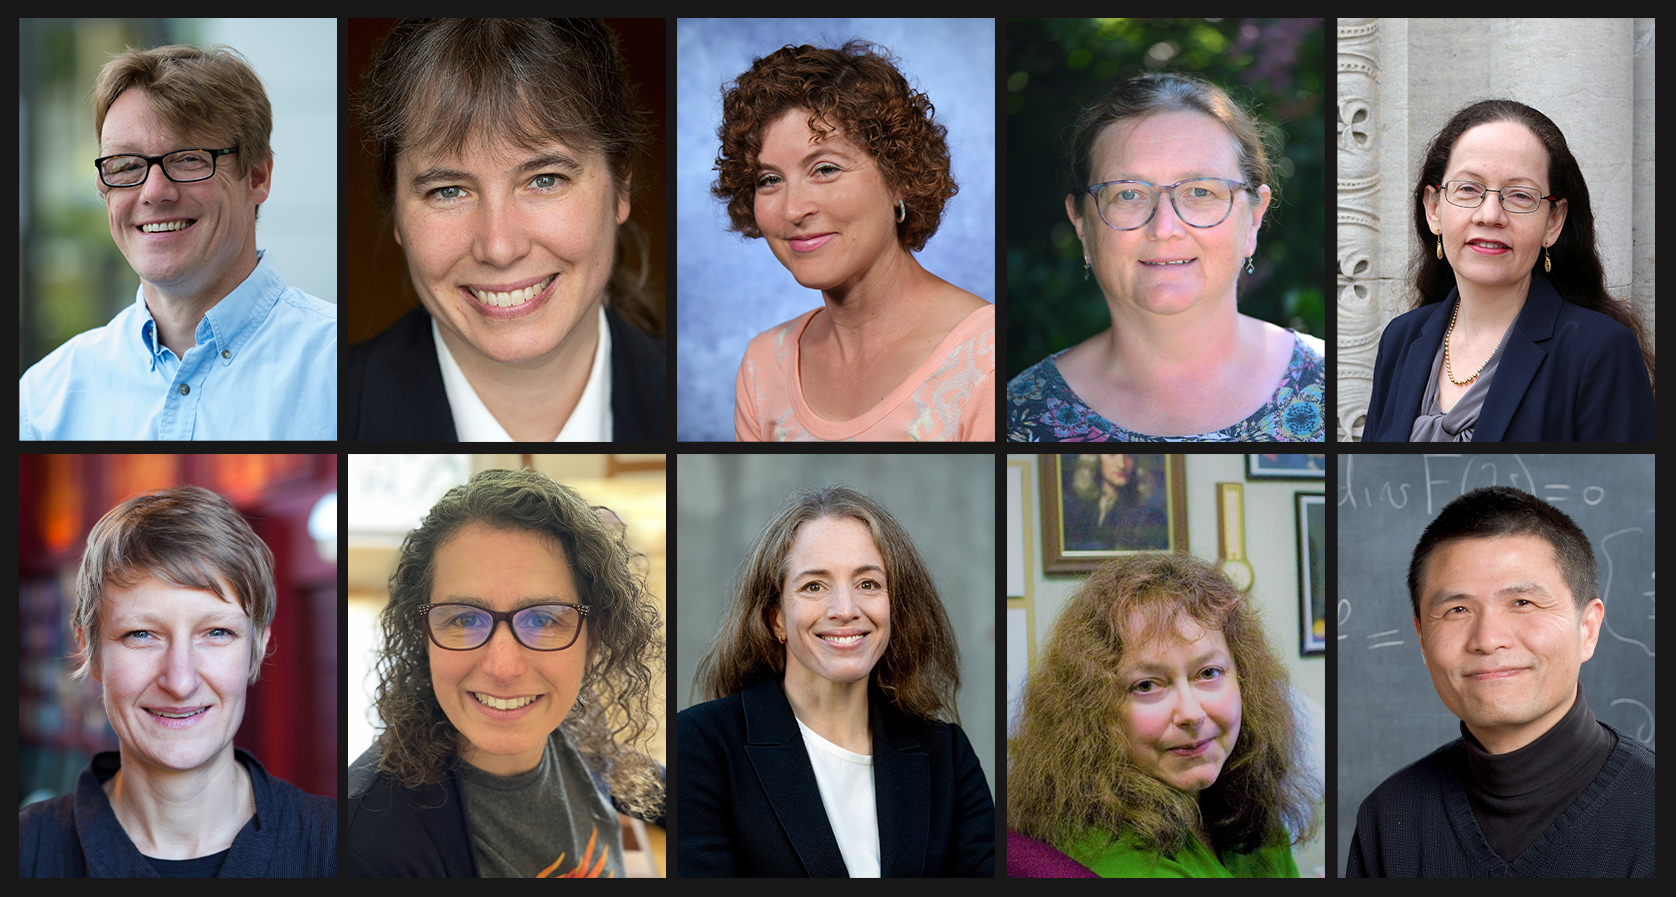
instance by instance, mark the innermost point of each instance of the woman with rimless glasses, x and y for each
(1168, 188)
(1513, 337)
(516, 626)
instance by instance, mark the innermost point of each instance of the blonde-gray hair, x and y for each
(186, 536)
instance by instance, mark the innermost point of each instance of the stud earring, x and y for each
(1547, 263)
(1440, 246)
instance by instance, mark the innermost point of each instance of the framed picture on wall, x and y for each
(1097, 507)
(1286, 467)
(1312, 572)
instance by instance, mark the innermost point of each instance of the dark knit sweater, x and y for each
(76, 835)
(1419, 822)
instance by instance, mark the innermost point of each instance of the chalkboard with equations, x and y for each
(1389, 714)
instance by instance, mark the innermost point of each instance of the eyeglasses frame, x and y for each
(1165, 190)
(214, 155)
(496, 616)
(1443, 189)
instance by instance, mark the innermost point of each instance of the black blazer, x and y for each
(394, 392)
(1567, 374)
(747, 804)
(396, 832)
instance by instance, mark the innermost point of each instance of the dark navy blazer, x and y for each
(1567, 374)
(393, 390)
(747, 804)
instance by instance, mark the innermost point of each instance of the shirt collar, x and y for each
(230, 323)
(590, 421)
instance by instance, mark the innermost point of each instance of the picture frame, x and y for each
(1311, 508)
(1297, 466)
(1099, 507)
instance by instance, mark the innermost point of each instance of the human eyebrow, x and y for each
(1478, 178)
(520, 604)
(1214, 655)
(436, 174)
(562, 162)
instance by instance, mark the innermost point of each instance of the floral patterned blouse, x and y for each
(1042, 408)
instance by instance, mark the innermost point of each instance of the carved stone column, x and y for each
(1359, 322)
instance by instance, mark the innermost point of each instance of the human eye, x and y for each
(826, 170)
(813, 587)
(138, 636)
(1145, 687)
(767, 180)
(445, 194)
(547, 183)
(1468, 189)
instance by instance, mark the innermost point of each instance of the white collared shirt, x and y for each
(590, 421)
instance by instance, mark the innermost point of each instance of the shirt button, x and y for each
(226, 353)
(184, 389)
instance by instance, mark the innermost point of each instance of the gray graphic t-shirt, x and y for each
(550, 822)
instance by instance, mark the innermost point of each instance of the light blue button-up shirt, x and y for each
(265, 366)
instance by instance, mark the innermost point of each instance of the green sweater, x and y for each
(1120, 858)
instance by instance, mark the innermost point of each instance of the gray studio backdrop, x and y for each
(945, 502)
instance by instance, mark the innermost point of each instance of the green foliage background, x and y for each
(1055, 67)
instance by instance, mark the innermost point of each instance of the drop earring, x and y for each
(1249, 268)
(1085, 267)
(1440, 247)
(1547, 263)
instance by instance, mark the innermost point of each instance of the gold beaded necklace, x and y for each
(1447, 370)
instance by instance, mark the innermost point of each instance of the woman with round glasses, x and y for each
(1168, 188)
(829, 743)
(1514, 337)
(836, 162)
(514, 684)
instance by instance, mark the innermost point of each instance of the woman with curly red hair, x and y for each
(830, 156)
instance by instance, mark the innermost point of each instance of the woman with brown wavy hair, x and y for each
(829, 743)
(503, 752)
(1156, 738)
(832, 158)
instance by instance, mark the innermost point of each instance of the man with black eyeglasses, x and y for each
(215, 345)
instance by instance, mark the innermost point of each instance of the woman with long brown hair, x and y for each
(1513, 337)
(1157, 739)
(829, 743)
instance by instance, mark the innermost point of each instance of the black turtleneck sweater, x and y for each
(1517, 795)
(1577, 802)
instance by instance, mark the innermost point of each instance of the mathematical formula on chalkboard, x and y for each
(1440, 484)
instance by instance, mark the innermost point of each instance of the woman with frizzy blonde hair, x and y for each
(1156, 737)
(829, 744)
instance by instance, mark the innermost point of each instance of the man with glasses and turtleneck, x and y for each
(1504, 594)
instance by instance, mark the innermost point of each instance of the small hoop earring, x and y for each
(1440, 247)
(901, 211)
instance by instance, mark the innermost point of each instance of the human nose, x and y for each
(1490, 211)
(1189, 713)
(841, 604)
(503, 658)
(180, 669)
(157, 187)
(1489, 632)
(1166, 223)
(799, 202)
(502, 235)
